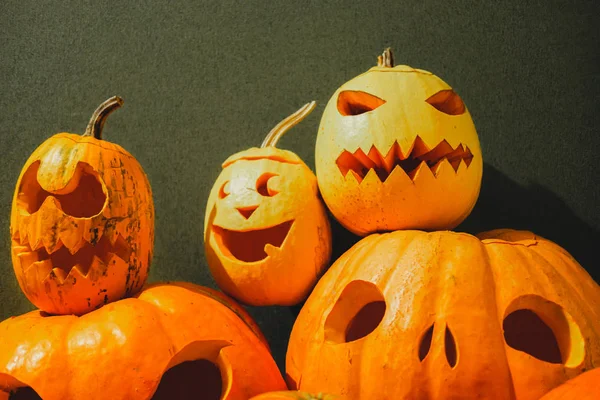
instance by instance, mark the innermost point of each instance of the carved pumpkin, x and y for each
(583, 387)
(82, 221)
(267, 236)
(174, 341)
(447, 315)
(294, 394)
(397, 149)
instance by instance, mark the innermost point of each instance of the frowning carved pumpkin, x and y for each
(82, 221)
(410, 315)
(397, 149)
(174, 341)
(267, 237)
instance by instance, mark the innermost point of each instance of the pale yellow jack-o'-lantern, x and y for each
(397, 149)
(267, 237)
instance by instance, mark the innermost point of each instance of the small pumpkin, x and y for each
(294, 394)
(266, 233)
(583, 387)
(82, 221)
(504, 315)
(397, 149)
(172, 341)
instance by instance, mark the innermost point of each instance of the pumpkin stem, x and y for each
(94, 127)
(386, 59)
(287, 123)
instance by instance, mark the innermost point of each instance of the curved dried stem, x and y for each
(94, 127)
(281, 128)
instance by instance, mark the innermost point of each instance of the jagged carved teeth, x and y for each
(252, 245)
(62, 260)
(360, 163)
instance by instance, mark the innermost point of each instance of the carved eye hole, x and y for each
(544, 330)
(224, 190)
(357, 313)
(262, 186)
(354, 102)
(448, 102)
(83, 197)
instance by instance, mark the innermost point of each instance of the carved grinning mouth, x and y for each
(251, 246)
(359, 164)
(62, 261)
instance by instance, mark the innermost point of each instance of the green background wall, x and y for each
(204, 79)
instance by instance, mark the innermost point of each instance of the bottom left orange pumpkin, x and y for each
(171, 341)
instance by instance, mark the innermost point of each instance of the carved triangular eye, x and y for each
(448, 102)
(355, 102)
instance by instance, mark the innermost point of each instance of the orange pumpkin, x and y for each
(397, 149)
(294, 394)
(583, 387)
(447, 315)
(82, 221)
(266, 233)
(173, 341)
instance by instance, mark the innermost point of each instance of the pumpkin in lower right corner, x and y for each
(440, 315)
(583, 387)
(295, 395)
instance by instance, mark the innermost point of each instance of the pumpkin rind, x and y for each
(357, 157)
(86, 204)
(122, 350)
(456, 290)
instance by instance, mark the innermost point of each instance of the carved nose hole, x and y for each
(450, 347)
(425, 344)
(246, 212)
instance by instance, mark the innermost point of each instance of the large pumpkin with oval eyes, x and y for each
(444, 315)
(397, 149)
(266, 232)
(82, 221)
(171, 341)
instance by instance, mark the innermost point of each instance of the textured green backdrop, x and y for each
(205, 79)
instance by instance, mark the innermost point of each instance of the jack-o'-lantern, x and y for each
(172, 341)
(266, 233)
(444, 315)
(82, 221)
(397, 149)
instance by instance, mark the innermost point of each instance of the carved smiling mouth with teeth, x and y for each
(253, 245)
(62, 263)
(360, 163)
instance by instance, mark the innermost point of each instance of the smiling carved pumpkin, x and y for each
(444, 315)
(397, 149)
(171, 341)
(82, 221)
(267, 237)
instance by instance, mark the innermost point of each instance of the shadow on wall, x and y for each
(505, 204)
